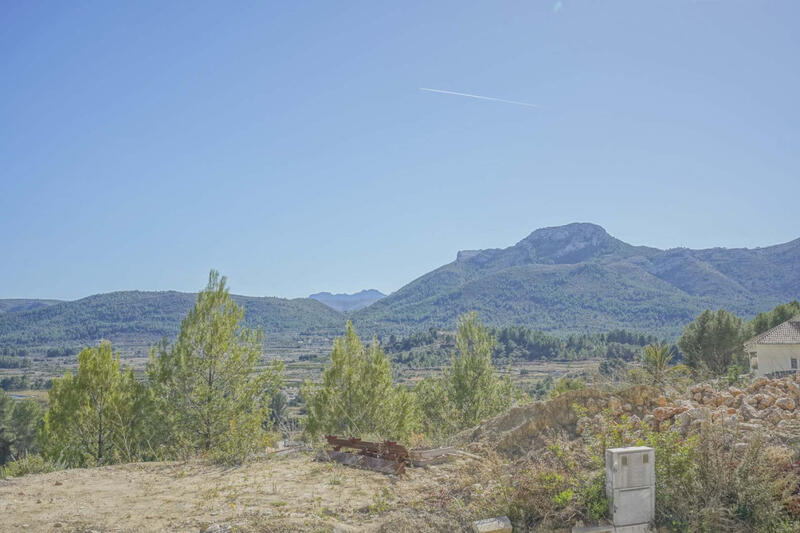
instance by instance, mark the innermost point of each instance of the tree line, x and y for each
(203, 394)
(207, 394)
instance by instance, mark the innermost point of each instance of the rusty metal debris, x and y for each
(388, 456)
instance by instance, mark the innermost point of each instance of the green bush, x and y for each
(29, 464)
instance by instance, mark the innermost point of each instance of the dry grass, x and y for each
(292, 493)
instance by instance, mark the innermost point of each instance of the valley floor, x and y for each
(290, 493)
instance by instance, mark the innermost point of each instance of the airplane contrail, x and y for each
(526, 104)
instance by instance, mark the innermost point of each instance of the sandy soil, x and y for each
(289, 493)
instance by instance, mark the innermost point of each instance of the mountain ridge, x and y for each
(572, 278)
(640, 287)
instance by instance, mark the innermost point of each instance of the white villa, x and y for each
(776, 350)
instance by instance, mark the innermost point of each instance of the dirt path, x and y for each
(292, 493)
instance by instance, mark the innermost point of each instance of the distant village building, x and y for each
(777, 351)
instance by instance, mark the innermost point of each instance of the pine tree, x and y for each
(714, 341)
(469, 390)
(19, 421)
(356, 396)
(95, 416)
(208, 393)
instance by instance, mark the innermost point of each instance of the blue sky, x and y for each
(288, 145)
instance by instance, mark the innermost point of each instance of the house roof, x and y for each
(785, 333)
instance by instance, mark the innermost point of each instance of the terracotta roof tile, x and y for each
(786, 333)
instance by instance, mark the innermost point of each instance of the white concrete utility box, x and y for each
(630, 485)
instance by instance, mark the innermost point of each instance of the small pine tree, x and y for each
(357, 395)
(714, 341)
(470, 389)
(95, 416)
(207, 391)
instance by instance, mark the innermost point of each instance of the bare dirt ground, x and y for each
(290, 493)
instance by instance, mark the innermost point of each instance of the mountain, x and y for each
(578, 278)
(573, 278)
(348, 302)
(134, 320)
(17, 305)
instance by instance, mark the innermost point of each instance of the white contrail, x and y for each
(526, 104)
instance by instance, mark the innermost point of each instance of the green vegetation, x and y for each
(357, 396)
(469, 390)
(655, 360)
(781, 313)
(208, 396)
(97, 416)
(143, 318)
(702, 482)
(517, 343)
(19, 422)
(713, 341)
(14, 362)
(579, 279)
(24, 383)
(204, 394)
(572, 279)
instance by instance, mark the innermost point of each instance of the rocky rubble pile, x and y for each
(768, 405)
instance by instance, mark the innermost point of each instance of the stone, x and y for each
(766, 401)
(773, 415)
(734, 391)
(665, 413)
(500, 524)
(757, 384)
(748, 412)
(787, 404)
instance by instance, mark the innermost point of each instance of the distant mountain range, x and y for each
(573, 278)
(348, 302)
(579, 278)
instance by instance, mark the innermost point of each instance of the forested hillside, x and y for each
(143, 318)
(577, 278)
(568, 279)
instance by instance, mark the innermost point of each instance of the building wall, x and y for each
(776, 357)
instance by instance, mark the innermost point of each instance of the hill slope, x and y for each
(17, 305)
(348, 302)
(579, 278)
(136, 318)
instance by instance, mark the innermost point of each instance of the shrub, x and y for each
(357, 396)
(29, 464)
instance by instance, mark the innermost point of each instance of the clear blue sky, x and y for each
(288, 145)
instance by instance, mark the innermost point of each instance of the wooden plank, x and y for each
(421, 454)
